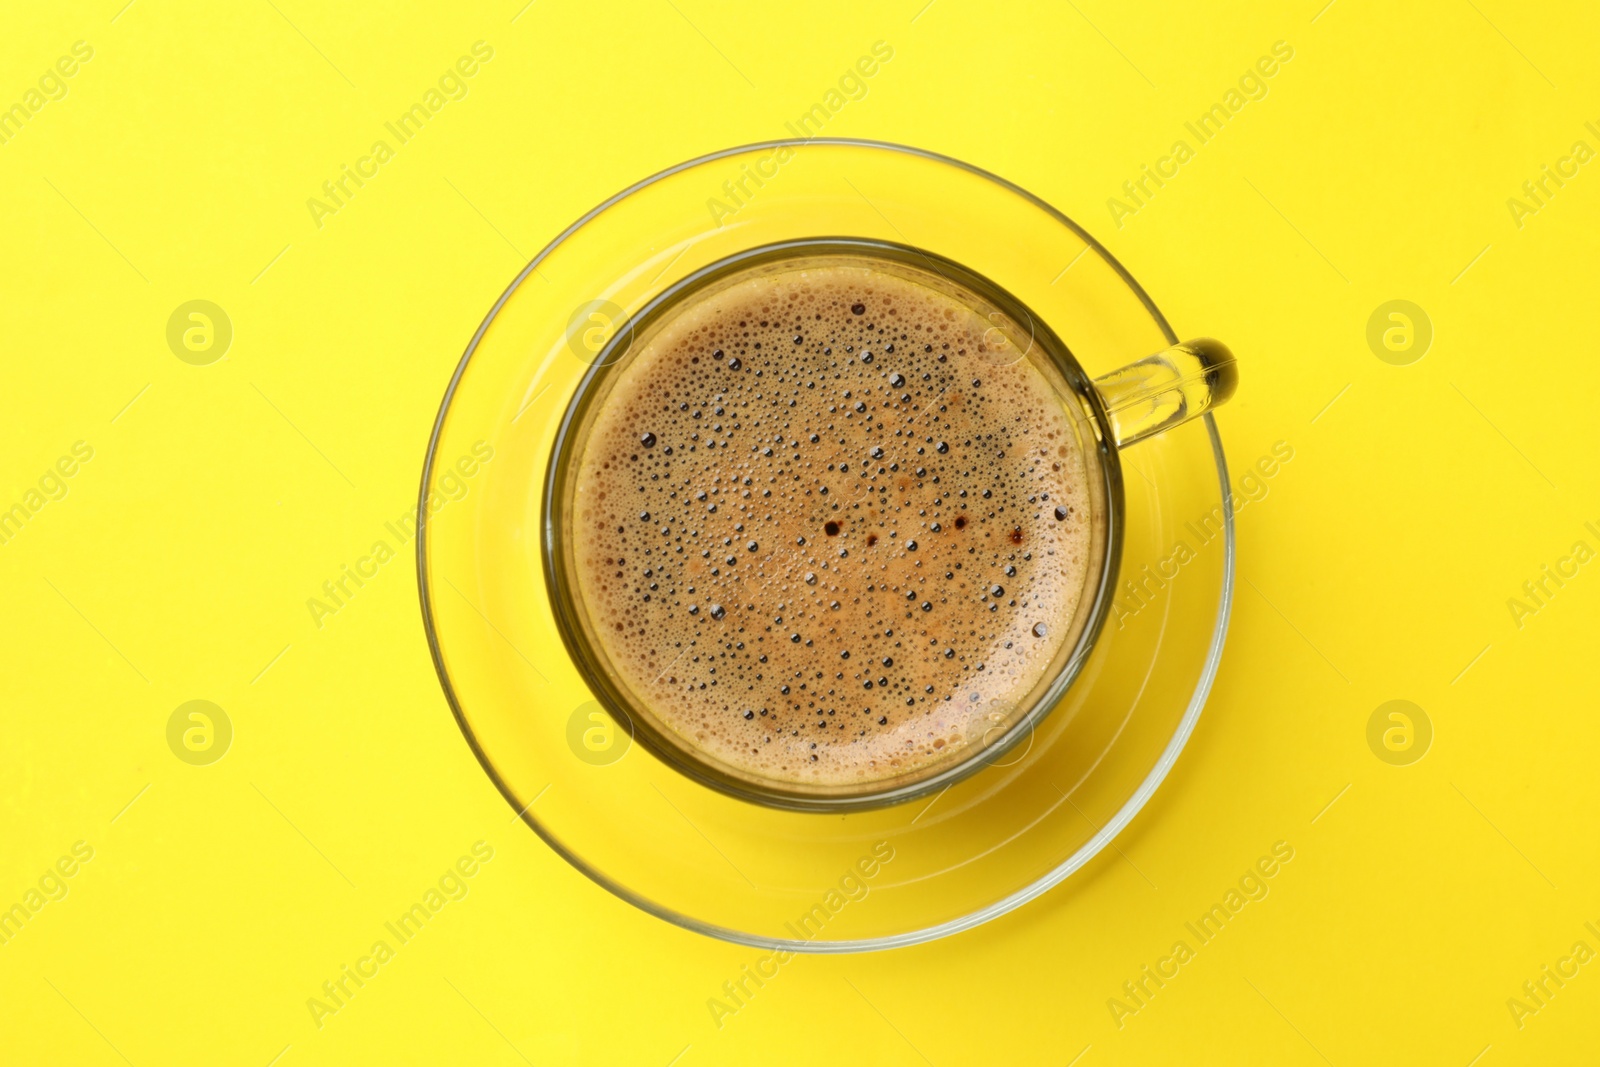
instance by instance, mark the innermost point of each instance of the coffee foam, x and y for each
(827, 530)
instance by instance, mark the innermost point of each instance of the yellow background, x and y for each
(1377, 567)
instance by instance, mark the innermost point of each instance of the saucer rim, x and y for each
(1085, 852)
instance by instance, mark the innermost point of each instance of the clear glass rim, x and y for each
(1103, 472)
(1084, 853)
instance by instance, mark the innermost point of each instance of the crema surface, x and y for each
(829, 525)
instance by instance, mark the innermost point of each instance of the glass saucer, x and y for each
(694, 856)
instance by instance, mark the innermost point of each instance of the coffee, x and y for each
(830, 523)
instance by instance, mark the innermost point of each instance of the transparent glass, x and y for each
(1033, 811)
(1128, 405)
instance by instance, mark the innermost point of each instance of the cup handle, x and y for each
(1167, 389)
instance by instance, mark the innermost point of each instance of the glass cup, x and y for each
(1106, 413)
